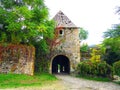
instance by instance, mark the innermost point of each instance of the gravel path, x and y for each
(72, 83)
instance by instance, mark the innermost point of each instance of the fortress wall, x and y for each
(17, 59)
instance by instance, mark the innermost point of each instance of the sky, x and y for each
(95, 16)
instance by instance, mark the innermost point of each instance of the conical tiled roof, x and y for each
(63, 21)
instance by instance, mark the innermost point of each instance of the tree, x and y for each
(113, 33)
(84, 48)
(26, 22)
(112, 39)
(23, 21)
(112, 45)
(83, 34)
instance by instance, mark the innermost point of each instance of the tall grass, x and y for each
(18, 80)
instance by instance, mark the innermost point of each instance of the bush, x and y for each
(116, 67)
(99, 69)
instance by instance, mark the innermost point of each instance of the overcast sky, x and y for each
(96, 16)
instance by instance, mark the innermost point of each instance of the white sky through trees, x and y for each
(96, 16)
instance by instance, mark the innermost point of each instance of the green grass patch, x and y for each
(20, 80)
(101, 79)
(118, 82)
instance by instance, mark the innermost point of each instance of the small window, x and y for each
(61, 32)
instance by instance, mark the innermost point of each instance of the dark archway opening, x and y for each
(61, 64)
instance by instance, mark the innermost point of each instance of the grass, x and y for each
(118, 82)
(101, 79)
(18, 80)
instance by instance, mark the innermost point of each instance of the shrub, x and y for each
(95, 55)
(99, 69)
(116, 67)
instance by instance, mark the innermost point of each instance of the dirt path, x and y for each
(73, 83)
(67, 82)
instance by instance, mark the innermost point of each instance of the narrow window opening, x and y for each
(61, 31)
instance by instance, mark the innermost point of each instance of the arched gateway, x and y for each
(60, 64)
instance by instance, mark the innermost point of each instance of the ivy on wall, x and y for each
(17, 59)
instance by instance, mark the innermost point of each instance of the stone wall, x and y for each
(85, 56)
(17, 59)
(68, 45)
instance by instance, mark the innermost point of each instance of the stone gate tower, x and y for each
(65, 53)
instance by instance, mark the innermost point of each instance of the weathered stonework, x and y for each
(17, 59)
(66, 41)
